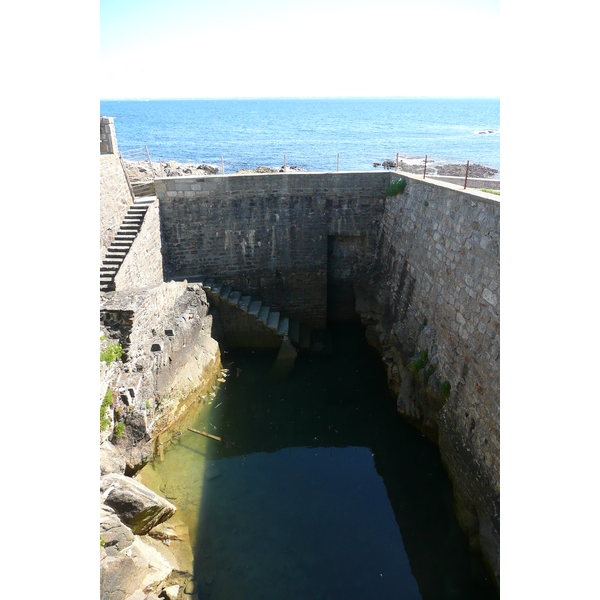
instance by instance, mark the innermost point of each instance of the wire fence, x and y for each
(140, 168)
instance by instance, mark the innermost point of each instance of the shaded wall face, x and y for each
(268, 235)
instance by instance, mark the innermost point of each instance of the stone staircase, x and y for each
(300, 335)
(117, 251)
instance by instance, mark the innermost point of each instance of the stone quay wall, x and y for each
(143, 265)
(435, 288)
(115, 199)
(108, 137)
(267, 235)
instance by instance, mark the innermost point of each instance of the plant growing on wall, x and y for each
(445, 389)
(108, 401)
(111, 353)
(119, 429)
(395, 187)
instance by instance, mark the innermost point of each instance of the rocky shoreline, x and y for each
(146, 394)
(141, 171)
(417, 166)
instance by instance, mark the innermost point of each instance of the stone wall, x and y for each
(143, 265)
(267, 235)
(435, 288)
(108, 137)
(169, 357)
(115, 198)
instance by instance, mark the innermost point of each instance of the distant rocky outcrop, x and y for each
(417, 167)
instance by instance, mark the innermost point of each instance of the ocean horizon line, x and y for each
(147, 99)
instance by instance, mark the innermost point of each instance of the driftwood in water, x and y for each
(213, 437)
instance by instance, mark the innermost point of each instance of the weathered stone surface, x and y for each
(134, 569)
(170, 593)
(111, 460)
(138, 507)
(113, 531)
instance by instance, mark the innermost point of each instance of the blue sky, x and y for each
(324, 48)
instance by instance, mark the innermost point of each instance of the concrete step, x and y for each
(294, 332)
(304, 337)
(284, 325)
(316, 341)
(234, 298)
(244, 303)
(263, 314)
(216, 288)
(273, 320)
(225, 291)
(254, 308)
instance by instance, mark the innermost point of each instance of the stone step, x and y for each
(143, 201)
(294, 332)
(273, 320)
(124, 243)
(244, 303)
(208, 283)
(263, 314)
(284, 325)
(216, 288)
(112, 260)
(254, 307)
(304, 337)
(114, 252)
(109, 267)
(316, 341)
(124, 227)
(225, 291)
(234, 298)
(125, 236)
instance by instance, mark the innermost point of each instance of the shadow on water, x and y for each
(330, 493)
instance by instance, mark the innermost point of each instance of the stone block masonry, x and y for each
(267, 235)
(108, 137)
(435, 287)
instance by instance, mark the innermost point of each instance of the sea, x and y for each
(311, 133)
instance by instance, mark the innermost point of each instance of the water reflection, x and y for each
(329, 494)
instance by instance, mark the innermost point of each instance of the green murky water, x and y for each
(328, 493)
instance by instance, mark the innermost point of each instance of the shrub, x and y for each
(102, 542)
(111, 353)
(445, 389)
(104, 420)
(425, 203)
(395, 187)
(119, 429)
(148, 404)
(495, 192)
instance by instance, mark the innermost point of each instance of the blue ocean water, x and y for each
(311, 132)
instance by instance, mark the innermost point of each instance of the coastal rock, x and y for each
(458, 170)
(132, 570)
(113, 531)
(111, 460)
(138, 507)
